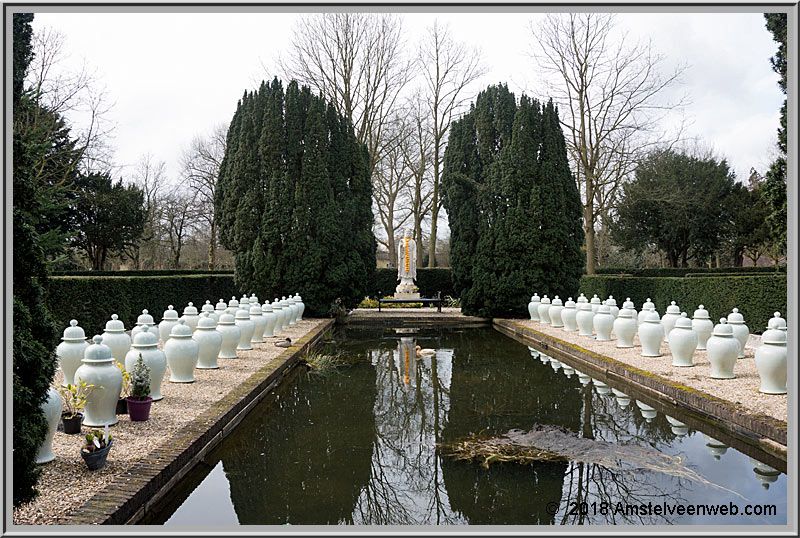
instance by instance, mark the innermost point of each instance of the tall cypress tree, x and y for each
(512, 203)
(294, 199)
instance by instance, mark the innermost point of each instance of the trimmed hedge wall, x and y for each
(147, 272)
(92, 299)
(429, 281)
(683, 271)
(756, 297)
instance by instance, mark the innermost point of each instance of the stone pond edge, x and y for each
(136, 492)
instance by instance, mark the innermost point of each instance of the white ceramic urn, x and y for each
(244, 304)
(582, 299)
(230, 336)
(623, 400)
(702, 325)
(302, 306)
(533, 307)
(765, 474)
(116, 338)
(777, 322)
(233, 306)
(740, 330)
(568, 315)
(254, 300)
(219, 309)
(715, 448)
(247, 326)
(682, 342)
(596, 303)
(556, 307)
(293, 311)
(723, 348)
(584, 319)
(209, 342)
(544, 310)
(670, 317)
(190, 316)
(269, 319)
(648, 412)
(771, 358)
(71, 350)
(181, 352)
(277, 309)
(208, 307)
(601, 387)
(287, 312)
(628, 304)
(168, 321)
(259, 324)
(144, 319)
(651, 334)
(98, 369)
(678, 428)
(612, 306)
(648, 306)
(603, 322)
(51, 408)
(146, 343)
(625, 328)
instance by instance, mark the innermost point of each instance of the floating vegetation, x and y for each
(325, 363)
(553, 443)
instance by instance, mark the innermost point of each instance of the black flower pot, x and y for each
(122, 406)
(72, 425)
(97, 459)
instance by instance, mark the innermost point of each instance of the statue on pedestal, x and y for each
(406, 268)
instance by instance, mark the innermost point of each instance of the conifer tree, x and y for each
(293, 199)
(514, 209)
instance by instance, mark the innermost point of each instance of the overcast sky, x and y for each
(174, 75)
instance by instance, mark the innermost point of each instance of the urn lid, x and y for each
(181, 330)
(208, 307)
(735, 317)
(114, 325)
(145, 338)
(774, 336)
(611, 301)
(226, 319)
(244, 301)
(595, 300)
(723, 329)
(683, 322)
(276, 304)
(545, 300)
(628, 303)
(585, 306)
(582, 299)
(648, 305)
(190, 310)
(242, 314)
(625, 313)
(145, 319)
(206, 321)
(673, 308)
(255, 310)
(570, 303)
(557, 301)
(604, 309)
(233, 302)
(651, 317)
(266, 307)
(701, 313)
(535, 298)
(297, 298)
(98, 351)
(253, 298)
(220, 306)
(775, 322)
(169, 313)
(73, 332)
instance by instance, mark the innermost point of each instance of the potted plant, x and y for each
(139, 401)
(74, 397)
(122, 403)
(95, 451)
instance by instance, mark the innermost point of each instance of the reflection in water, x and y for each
(359, 445)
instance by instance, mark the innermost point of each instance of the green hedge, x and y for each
(683, 271)
(757, 297)
(429, 281)
(92, 300)
(146, 272)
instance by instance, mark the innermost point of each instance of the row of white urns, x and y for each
(724, 342)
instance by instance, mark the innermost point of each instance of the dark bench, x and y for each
(432, 300)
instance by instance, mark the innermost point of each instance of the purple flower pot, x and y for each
(139, 410)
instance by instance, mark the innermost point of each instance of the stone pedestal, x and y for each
(405, 290)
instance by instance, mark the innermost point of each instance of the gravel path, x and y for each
(743, 389)
(66, 483)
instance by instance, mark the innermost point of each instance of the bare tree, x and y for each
(200, 163)
(149, 175)
(448, 67)
(610, 96)
(417, 154)
(355, 61)
(179, 217)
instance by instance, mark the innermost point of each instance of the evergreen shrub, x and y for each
(430, 281)
(756, 297)
(683, 271)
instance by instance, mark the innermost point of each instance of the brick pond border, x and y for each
(766, 433)
(135, 492)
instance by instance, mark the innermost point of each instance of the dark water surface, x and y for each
(358, 446)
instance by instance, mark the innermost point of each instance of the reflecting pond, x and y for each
(358, 445)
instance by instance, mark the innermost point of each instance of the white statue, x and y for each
(406, 267)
